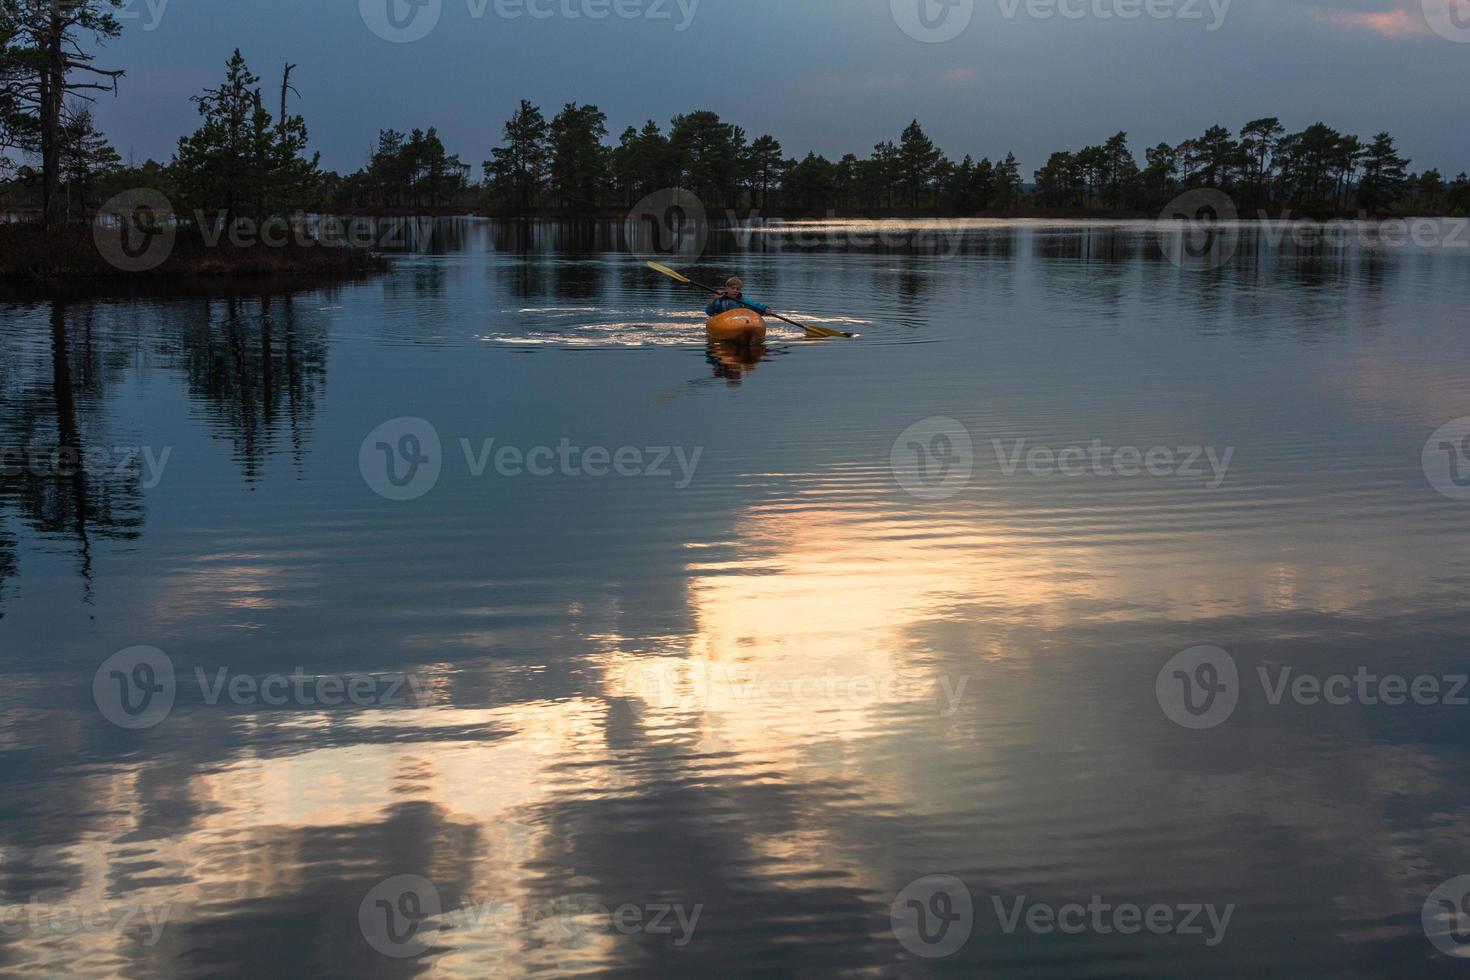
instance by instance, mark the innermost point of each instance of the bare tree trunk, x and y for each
(53, 88)
(285, 87)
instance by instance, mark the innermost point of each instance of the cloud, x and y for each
(960, 75)
(1402, 18)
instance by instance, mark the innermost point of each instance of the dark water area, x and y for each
(482, 619)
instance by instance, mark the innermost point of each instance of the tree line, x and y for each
(250, 156)
(568, 164)
(1263, 168)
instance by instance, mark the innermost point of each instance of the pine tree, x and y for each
(883, 173)
(984, 183)
(44, 61)
(579, 160)
(918, 161)
(763, 166)
(1383, 174)
(86, 157)
(239, 157)
(1008, 182)
(517, 170)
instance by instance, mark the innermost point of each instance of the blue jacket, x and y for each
(726, 305)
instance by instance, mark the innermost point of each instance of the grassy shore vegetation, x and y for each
(249, 161)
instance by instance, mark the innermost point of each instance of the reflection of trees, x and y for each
(7, 563)
(257, 371)
(249, 362)
(54, 413)
(560, 260)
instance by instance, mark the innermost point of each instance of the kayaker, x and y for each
(732, 298)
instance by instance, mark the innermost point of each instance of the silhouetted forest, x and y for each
(246, 161)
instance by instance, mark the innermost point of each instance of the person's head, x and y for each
(734, 285)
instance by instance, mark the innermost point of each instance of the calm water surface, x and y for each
(795, 657)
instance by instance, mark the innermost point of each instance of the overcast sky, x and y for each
(827, 75)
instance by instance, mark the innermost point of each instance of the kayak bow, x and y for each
(738, 326)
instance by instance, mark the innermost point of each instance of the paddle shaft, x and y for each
(811, 331)
(752, 307)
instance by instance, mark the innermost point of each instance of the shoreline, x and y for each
(32, 257)
(80, 255)
(734, 216)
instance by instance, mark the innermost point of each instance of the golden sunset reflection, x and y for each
(812, 648)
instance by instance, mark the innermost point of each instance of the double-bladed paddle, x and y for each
(810, 331)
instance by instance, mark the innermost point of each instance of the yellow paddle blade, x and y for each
(666, 271)
(825, 332)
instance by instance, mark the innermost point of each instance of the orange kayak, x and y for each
(742, 326)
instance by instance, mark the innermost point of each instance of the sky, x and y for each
(833, 76)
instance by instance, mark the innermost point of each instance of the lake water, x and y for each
(712, 660)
